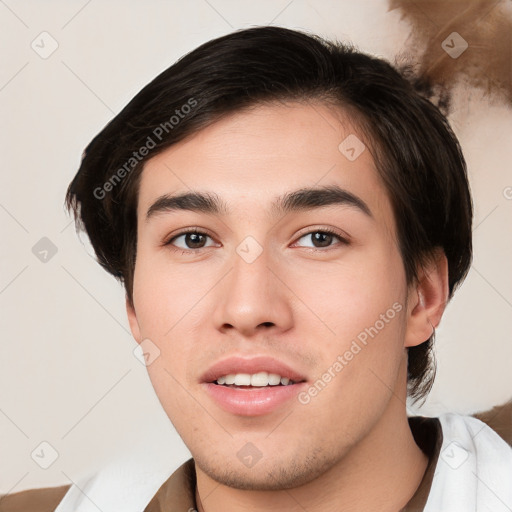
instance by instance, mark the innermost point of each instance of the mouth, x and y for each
(252, 387)
(254, 381)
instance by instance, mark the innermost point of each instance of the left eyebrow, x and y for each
(312, 198)
(298, 200)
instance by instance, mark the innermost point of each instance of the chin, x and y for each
(268, 476)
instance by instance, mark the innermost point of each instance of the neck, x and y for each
(381, 472)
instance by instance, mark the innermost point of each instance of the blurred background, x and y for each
(73, 395)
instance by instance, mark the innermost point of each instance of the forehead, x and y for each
(250, 158)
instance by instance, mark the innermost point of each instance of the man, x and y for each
(289, 218)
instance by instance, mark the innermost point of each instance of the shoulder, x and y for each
(499, 419)
(45, 499)
(473, 456)
(478, 431)
(468, 438)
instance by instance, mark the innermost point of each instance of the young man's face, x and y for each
(253, 285)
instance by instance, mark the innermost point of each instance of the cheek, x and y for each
(362, 350)
(164, 295)
(361, 304)
(175, 395)
(346, 297)
(164, 302)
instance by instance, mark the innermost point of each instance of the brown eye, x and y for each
(322, 238)
(190, 240)
(194, 240)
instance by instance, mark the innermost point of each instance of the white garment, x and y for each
(474, 470)
(126, 484)
(473, 474)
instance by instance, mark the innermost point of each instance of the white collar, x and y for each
(128, 483)
(474, 469)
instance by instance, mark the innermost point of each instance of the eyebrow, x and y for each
(298, 200)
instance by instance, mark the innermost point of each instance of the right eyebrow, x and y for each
(200, 202)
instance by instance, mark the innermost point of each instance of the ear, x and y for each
(427, 300)
(132, 320)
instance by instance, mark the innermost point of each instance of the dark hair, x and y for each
(417, 155)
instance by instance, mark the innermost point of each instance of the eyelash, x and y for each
(328, 231)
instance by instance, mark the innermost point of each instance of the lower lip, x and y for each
(252, 401)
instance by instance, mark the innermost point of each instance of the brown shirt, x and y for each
(177, 493)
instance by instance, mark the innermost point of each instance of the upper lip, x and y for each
(234, 365)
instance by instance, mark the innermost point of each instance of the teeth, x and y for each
(260, 379)
(273, 379)
(242, 379)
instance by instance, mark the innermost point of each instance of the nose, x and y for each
(254, 297)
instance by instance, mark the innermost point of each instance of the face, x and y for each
(316, 294)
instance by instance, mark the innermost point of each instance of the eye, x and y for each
(322, 238)
(193, 239)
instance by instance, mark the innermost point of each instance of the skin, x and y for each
(350, 448)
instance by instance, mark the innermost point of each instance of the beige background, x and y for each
(68, 375)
